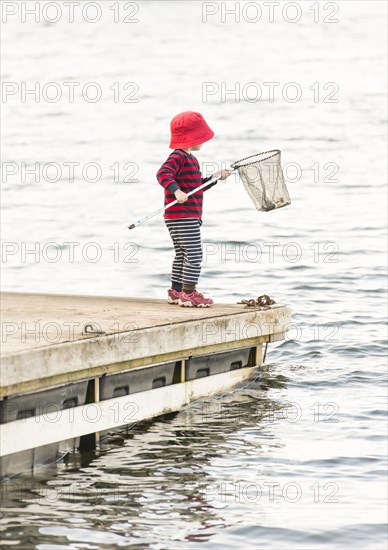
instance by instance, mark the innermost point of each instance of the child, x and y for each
(179, 175)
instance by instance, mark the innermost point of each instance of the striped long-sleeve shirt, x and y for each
(181, 171)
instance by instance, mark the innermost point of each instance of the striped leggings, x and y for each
(186, 237)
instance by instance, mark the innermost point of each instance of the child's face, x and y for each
(196, 147)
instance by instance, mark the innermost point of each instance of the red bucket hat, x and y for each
(189, 129)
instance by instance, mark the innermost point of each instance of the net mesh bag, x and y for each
(263, 179)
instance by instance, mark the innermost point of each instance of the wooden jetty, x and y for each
(74, 367)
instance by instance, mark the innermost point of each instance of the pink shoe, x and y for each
(172, 296)
(195, 299)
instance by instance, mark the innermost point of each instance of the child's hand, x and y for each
(222, 174)
(180, 196)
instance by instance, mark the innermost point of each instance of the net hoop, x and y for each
(263, 179)
(258, 157)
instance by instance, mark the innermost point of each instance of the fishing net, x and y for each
(262, 176)
(263, 179)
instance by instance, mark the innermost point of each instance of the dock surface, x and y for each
(31, 321)
(44, 339)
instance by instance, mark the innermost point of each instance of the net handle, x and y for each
(238, 164)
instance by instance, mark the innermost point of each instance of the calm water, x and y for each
(295, 458)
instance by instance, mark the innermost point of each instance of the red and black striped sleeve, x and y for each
(166, 175)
